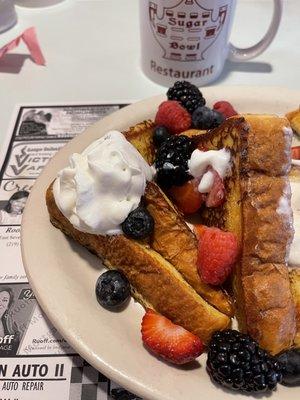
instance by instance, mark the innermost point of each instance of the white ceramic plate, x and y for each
(63, 274)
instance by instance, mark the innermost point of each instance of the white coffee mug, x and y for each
(37, 3)
(8, 16)
(189, 39)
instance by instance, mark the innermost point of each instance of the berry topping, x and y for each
(290, 361)
(217, 254)
(296, 153)
(187, 94)
(216, 195)
(160, 135)
(173, 116)
(225, 108)
(236, 361)
(169, 341)
(171, 161)
(205, 118)
(112, 289)
(199, 230)
(139, 224)
(187, 197)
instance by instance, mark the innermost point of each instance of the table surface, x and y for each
(92, 53)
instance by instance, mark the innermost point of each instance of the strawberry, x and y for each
(169, 341)
(187, 197)
(173, 116)
(202, 147)
(225, 108)
(199, 230)
(217, 254)
(296, 153)
(216, 195)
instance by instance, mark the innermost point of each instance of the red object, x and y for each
(169, 341)
(173, 116)
(202, 147)
(217, 254)
(30, 39)
(199, 230)
(225, 108)
(296, 153)
(216, 196)
(187, 197)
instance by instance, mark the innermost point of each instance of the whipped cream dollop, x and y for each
(219, 160)
(102, 185)
(294, 257)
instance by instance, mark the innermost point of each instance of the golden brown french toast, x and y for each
(295, 283)
(156, 283)
(294, 118)
(257, 209)
(175, 241)
(141, 137)
(294, 176)
(193, 132)
(172, 237)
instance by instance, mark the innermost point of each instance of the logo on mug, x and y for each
(185, 29)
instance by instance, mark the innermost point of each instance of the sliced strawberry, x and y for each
(202, 147)
(216, 196)
(199, 230)
(217, 254)
(296, 153)
(187, 197)
(170, 341)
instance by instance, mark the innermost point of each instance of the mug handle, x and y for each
(238, 54)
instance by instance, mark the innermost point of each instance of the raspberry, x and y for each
(217, 253)
(225, 108)
(173, 116)
(296, 153)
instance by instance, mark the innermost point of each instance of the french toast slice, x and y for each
(294, 118)
(156, 283)
(295, 284)
(257, 209)
(141, 137)
(172, 237)
(294, 177)
(174, 240)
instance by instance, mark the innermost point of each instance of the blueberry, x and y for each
(160, 135)
(139, 224)
(112, 289)
(205, 118)
(291, 367)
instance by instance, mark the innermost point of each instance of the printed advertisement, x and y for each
(36, 362)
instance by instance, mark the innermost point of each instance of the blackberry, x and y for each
(171, 161)
(236, 361)
(187, 94)
(139, 224)
(160, 135)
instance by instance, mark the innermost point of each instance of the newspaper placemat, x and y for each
(35, 361)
